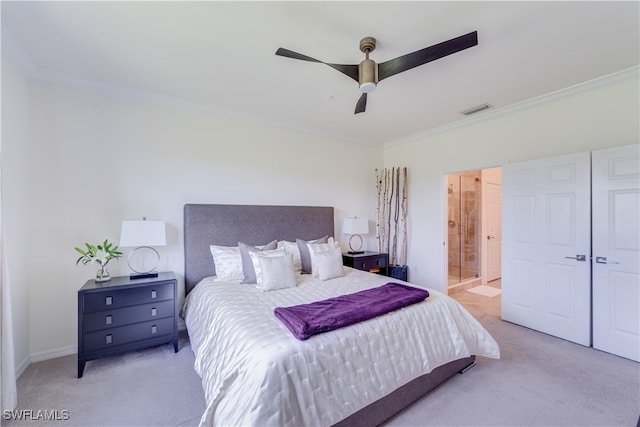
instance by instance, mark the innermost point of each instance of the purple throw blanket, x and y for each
(306, 320)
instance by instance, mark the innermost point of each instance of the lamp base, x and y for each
(143, 271)
(134, 276)
(357, 250)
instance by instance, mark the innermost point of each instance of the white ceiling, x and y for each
(220, 55)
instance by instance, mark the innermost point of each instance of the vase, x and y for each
(103, 274)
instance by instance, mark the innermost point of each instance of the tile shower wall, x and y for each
(464, 193)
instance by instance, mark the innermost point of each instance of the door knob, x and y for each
(577, 257)
(603, 260)
(490, 237)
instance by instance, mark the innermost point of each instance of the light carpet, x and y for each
(151, 387)
(539, 381)
(485, 290)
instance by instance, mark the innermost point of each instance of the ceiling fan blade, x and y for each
(428, 54)
(294, 55)
(348, 70)
(361, 105)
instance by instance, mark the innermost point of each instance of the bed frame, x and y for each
(226, 225)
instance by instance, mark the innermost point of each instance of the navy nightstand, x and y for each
(121, 315)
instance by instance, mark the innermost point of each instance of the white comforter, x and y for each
(254, 372)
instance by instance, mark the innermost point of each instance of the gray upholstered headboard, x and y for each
(226, 225)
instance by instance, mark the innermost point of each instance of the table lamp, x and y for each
(143, 235)
(355, 227)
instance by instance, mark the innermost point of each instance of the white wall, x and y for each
(15, 202)
(96, 158)
(582, 120)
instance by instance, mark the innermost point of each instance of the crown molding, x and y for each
(606, 80)
(12, 47)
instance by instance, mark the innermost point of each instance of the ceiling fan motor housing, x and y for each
(368, 69)
(367, 75)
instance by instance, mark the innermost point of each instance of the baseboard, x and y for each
(44, 355)
(52, 354)
(22, 366)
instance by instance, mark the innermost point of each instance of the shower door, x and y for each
(464, 206)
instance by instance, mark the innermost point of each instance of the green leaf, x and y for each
(110, 251)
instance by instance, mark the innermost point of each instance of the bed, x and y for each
(255, 372)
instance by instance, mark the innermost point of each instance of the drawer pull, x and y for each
(108, 320)
(154, 329)
(154, 294)
(108, 301)
(153, 311)
(109, 339)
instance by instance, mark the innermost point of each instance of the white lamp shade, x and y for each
(355, 225)
(143, 233)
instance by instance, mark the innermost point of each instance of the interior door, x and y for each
(546, 246)
(616, 251)
(492, 214)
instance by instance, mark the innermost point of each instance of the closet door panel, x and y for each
(616, 250)
(546, 237)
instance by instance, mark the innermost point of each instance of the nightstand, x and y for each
(122, 315)
(374, 262)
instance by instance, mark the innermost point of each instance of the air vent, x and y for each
(476, 109)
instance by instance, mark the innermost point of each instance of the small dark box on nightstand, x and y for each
(398, 272)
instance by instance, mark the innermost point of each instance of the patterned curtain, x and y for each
(391, 214)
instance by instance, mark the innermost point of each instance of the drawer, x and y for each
(123, 316)
(371, 263)
(111, 338)
(115, 298)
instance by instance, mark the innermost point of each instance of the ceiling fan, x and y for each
(368, 73)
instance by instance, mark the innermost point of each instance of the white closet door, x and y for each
(616, 251)
(546, 237)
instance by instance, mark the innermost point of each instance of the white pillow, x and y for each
(247, 265)
(328, 264)
(255, 259)
(316, 248)
(227, 262)
(276, 272)
(305, 258)
(292, 248)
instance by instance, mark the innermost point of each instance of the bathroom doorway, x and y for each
(473, 201)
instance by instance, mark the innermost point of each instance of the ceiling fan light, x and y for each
(367, 87)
